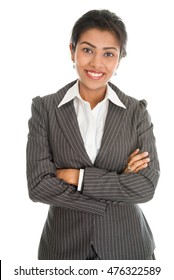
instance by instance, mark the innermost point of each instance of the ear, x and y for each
(72, 52)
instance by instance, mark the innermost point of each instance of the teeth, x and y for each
(95, 74)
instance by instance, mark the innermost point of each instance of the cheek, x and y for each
(79, 65)
(112, 68)
(79, 59)
(114, 65)
(82, 60)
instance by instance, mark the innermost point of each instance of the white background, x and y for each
(35, 60)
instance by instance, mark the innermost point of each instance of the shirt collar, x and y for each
(113, 97)
(74, 92)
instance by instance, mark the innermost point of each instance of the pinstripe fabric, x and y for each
(105, 214)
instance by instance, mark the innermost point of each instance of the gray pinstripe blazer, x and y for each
(106, 212)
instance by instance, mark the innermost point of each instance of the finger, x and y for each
(128, 170)
(133, 154)
(139, 163)
(138, 157)
(145, 165)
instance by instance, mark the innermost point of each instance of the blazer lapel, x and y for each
(67, 119)
(114, 120)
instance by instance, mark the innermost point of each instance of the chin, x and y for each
(93, 85)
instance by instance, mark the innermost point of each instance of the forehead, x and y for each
(99, 37)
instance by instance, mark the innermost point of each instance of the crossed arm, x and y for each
(57, 187)
(136, 162)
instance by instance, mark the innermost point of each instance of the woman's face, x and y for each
(96, 57)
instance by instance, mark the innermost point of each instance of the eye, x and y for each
(109, 54)
(87, 50)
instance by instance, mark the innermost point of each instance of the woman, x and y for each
(91, 154)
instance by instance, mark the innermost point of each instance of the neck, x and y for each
(93, 96)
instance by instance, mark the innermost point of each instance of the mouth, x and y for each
(94, 75)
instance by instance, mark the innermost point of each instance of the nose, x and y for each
(96, 61)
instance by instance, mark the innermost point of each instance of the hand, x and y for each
(137, 161)
(71, 176)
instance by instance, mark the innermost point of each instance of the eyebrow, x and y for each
(91, 45)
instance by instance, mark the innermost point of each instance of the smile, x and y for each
(94, 75)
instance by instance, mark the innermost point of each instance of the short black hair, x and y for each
(103, 20)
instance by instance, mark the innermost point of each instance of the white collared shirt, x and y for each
(91, 122)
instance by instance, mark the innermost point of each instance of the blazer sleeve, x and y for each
(43, 185)
(133, 187)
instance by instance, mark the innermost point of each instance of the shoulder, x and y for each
(53, 98)
(130, 102)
